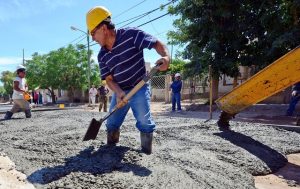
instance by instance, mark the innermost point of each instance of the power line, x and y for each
(137, 17)
(152, 25)
(129, 9)
(114, 17)
(82, 36)
(144, 14)
(141, 24)
(81, 39)
(153, 19)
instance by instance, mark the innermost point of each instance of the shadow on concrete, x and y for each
(290, 172)
(273, 159)
(105, 160)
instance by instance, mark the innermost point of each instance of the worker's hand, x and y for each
(164, 63)
(294, 93)
(120, 99)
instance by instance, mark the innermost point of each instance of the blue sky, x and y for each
(44, 25)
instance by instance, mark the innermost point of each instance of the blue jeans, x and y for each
(140, 106)
(176, 97)
(292, 105)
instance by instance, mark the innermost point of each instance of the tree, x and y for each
(65, 68)
(7, 78)
(275, 31)
(2, 91)
(177, 65)
(208, 28)
(229, 33)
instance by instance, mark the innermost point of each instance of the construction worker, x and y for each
(122, 66)
(294, 100)
(20, 96)
(103, 91)
(176, 93)
(92, 93)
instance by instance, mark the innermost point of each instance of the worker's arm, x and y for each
(162, 50)
(16, 87)
(116, 88)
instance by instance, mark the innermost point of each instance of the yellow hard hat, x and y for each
(95, 16)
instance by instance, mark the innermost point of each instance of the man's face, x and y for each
(98, 34)
(22, 74)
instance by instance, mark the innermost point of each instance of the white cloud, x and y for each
(19, 8)
(10, 61)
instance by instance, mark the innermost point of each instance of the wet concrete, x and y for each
(188, 152)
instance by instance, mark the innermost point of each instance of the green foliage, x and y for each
(229, 33)
(7, 79)
(2, 91)
(65, 68)
(176, 66)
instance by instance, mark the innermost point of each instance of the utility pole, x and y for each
(89, 63)
(88, 57)
(23, 58)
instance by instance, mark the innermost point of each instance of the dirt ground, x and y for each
(287, 177)
(189, 152)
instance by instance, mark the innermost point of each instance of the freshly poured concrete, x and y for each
(188, 152)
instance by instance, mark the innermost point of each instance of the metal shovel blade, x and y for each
(93, 130)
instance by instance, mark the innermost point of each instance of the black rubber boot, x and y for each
(113, 137)
(146, 142)
(8, 115)
(28, 113)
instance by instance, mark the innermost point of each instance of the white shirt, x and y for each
(22, 84)
(93, 92)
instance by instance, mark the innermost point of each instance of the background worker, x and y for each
(122, 65)
(176, 92)
(103, 91)
(294, 100)
(92, 93)
(20, 87)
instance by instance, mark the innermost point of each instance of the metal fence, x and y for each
(192, 88)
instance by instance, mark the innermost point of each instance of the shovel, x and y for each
(95, 125)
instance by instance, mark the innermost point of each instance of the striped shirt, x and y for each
(125, 62)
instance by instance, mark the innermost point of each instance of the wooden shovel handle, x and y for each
(137, 87)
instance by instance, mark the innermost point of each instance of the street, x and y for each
(5, 107)
(188, 152)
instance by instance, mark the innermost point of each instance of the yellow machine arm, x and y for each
(279, 75)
